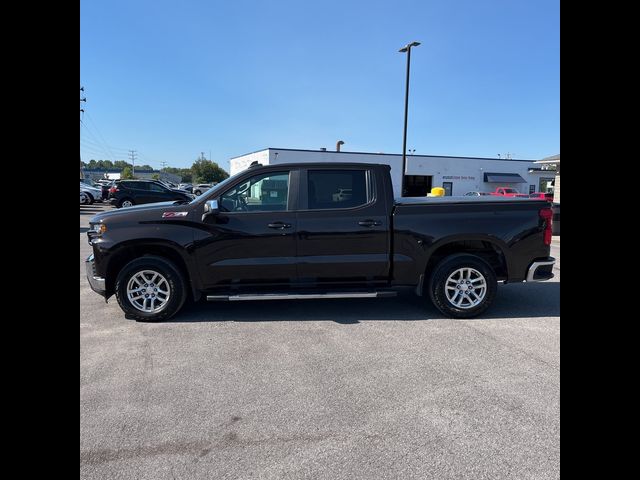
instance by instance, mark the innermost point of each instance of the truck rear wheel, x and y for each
(463, 286)
(150, 289)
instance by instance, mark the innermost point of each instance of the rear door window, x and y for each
(154, 187)
(327, 189)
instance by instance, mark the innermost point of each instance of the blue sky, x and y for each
(172, 79)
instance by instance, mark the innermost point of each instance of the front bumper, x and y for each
(96, 283)
(541, 269)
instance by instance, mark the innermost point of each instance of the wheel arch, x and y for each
(145, 247)
(491, 249)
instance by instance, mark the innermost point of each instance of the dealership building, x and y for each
(457, 175)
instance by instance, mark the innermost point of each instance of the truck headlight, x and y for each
(99, 228)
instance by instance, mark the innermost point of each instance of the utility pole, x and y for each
(132, 156)
(202, 156)
(82, 99)
(164, 164)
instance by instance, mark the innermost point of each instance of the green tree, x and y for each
(121, 164)
(126, 174)
(206, 171)
(184, 173)
(187, 176)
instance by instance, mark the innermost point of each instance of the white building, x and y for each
(457, 175)
(553, 162)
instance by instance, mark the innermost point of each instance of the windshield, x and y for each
(510, 190)
(215, 188)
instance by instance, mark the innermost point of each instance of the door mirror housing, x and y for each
(210, 208)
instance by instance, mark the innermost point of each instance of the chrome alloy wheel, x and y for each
(148, 291)
(127, 203)
(466, 288)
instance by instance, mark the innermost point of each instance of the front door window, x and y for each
(267, 192)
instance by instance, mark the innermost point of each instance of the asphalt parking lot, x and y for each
(333, 389)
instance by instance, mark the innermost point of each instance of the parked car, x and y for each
(201, 188)
(298, 242)
(167, 183)
(84, 199)
(476, 194)
(104, 185)
(542, 196)
(508, 192)
(94, 193)
(342, 194)
(126, 193)
(187, 187)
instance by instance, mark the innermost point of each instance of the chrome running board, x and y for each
(299, 296)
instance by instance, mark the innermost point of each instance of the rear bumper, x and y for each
(541, 270)
(96, 283)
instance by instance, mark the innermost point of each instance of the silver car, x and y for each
(476, 194)
(201, 188)
(94, 193)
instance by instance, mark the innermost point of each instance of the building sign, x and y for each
(457, 177)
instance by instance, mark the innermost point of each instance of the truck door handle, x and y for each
(279, 225)
(369, 223)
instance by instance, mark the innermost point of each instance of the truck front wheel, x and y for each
(150, 289)
(463, 286)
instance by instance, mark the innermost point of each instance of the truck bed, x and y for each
(463, 199)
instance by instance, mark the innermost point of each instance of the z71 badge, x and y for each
(174, 214)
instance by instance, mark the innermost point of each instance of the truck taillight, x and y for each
(547, 215)
(113, 189)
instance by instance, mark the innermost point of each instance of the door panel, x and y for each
(139, 191)
(343, 233)
(251, 242)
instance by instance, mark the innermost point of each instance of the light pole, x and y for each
(407, 49)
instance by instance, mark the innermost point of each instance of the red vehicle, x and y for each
(508, 192)
(542, 196)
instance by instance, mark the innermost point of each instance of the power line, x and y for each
(99, 145)
(92, 151)
(148, 159)
(100, 134)
(95, 144)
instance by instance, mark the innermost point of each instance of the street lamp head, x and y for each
(406, 48)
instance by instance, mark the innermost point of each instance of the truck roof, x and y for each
(321, 164)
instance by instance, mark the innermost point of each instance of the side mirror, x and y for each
(210, 208)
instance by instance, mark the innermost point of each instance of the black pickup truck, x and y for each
(311, 230)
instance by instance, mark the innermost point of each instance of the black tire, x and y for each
(197, 192)
(175, 280)
(90, 197)
(445, 269)
(124, 200)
